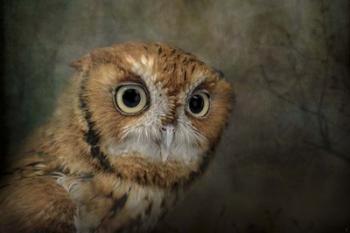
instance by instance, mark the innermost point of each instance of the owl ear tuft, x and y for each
(83, 64)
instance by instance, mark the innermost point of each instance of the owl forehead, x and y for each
(163, 65)
(172, 76)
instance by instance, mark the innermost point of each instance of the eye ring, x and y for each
(198, 104)
(130, 98)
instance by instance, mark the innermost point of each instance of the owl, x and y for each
(135, 126)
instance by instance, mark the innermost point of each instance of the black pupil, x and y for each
(131, 97)
(196, 104)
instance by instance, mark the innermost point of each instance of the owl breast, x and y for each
(127, 207)
(143, 209)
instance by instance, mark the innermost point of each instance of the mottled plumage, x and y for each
(136, 124)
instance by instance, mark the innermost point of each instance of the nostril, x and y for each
(168, 128)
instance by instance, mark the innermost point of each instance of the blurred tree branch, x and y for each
(319, 105)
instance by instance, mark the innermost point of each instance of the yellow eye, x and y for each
(198, 104)
(131, 99)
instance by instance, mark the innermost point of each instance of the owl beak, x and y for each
(168, 132)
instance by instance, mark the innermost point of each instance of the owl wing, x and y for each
(34, 197)
(31, 200)
(35, 204)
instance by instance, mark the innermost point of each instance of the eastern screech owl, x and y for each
(134, 127)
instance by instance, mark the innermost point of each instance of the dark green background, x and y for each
(284, 162)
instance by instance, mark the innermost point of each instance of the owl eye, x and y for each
(198, 104)
(131, 99)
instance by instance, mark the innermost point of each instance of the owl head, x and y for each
(151, 110)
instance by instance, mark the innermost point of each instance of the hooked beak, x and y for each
(168, 132)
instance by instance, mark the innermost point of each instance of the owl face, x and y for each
(154, 102)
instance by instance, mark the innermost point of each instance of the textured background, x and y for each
(284, 162)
